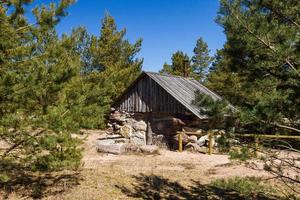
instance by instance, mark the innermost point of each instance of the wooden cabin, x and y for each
(164, 102)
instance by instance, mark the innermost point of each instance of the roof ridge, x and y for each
(170, 75)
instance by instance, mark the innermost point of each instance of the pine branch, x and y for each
(267, 44)
(281, 15)
(21, 142)
(286, 127)
(25, 27)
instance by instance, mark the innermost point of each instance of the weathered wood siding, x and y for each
(147, 96)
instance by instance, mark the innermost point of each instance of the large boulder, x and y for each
(140, 126)
(126, 131)
(138, 137)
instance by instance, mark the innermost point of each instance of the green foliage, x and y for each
(52, 86)
(247, 186)
(201, 60)
(216, 110)
(258, 68)
(196, 67)
(181, 65)
(242, 154)
(4, 178)
(36, 66)
(108, 66)
(114, 56)
(224, 143)
(64, 153)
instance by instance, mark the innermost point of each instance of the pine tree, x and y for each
(201, 60)
(36, 66)
(181, 65)
(108, 66)
(196, 67)
(114, 56)
(261, 59)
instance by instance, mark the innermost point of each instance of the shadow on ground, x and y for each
(157, 188)
(27, 184)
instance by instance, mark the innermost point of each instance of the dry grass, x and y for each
(104, 176)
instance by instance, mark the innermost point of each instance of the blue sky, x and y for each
(164, 25)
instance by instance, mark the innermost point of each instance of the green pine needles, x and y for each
(52, 86)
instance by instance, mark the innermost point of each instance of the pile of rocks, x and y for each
(129, 126)
(198, 143)
(126, 133)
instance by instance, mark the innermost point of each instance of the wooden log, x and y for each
(269, 136)
(192, 133)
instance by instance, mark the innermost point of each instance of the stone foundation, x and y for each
(132, 127)
(129, 126)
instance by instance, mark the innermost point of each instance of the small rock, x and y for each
(194, 147)
(138, 138)
(140, 126)
(117, 127)
(193, 139)
(202, 140)
(126, 131)
(149, 149)
(109, 131)
(109, 125)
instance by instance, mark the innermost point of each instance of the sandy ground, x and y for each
(106, 176)
(191, 165)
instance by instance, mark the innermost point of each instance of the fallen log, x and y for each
(111, 148)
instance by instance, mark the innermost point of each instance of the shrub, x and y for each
(241, 154)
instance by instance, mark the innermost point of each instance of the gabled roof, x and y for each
(181, 88)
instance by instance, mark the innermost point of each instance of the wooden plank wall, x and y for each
(147, 96)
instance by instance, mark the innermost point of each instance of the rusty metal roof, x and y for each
(183, 90)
